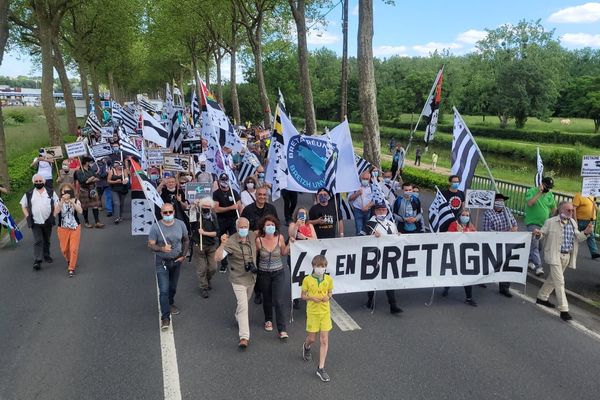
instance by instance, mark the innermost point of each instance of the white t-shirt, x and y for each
(248, 198)
(40, 205)
(44, 169)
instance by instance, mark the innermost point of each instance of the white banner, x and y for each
(363, 263)
(176, 162)
(76, 149)
(101, 150)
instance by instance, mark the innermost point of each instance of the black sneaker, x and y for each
(48, 259)
(445, 292)
(306, 354)
(204, 293)
(506, 293)
(565, 316)
(323, 375)
(544, 303)
(471, 302)
(223, 268)
(594, 256)
(37, 265)
(395, 310)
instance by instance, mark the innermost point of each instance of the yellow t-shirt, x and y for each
(314, 288)
(585, 207)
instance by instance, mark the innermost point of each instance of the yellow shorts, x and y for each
(318, 323)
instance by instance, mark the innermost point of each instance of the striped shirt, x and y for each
(568, 237)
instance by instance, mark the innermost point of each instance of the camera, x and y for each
(250, 267)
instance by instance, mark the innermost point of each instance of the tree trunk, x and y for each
(59, 64)
(344, 83)
(367, 90)
(196, 72)
(218, 58)
(45, 37)
(111, 85)
(262, 87)
(96, 91)
(4, 178)
(503, 120)
(85, 90)
(207, 72)
(299, 13)
(235, 103)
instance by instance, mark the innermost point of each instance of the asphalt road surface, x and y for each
(97, 336)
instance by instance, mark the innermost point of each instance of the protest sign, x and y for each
(154, 157)
(359, 264)
(590, 186)
(176, 162)
(197, 190)
(480, 199)
(76, 149)
(106, 132)
(101, 150)
(193, 146)
(54, 152)
(590, 166)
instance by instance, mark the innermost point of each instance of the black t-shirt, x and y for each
(328, 213)
(225, 200)
(209, 224)
(171, 197)
(254, 214)
(456, 200)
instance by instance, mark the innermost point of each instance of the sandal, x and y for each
(268, 326)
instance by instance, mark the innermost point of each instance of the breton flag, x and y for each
(250, 164)
(195, 109)
(175, 139)
(276, 173)
(7, 220)
(145, 104)
(331, 155)
(431, 110)
(92, 122)
(362, 165)
(345, 208)
(129, 121)
(149, 190)
(465, 153)
(540, 169)
(153, 131)
(127, 146)
(440, 213)
(379, 197)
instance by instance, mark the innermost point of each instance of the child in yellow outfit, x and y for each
(316, 290)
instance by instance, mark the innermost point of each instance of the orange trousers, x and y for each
(69, 244)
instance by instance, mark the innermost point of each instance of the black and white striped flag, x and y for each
(127, 146)
(345, 207)
(361, 164)
(153, 130)
(540, 169)
(465, 153)
(92, 122)
(440, 213)
(128, 120)
(145, 104)
(331, 155)
(195, 109)
(250, 164)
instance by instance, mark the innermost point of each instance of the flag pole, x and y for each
(478, 149)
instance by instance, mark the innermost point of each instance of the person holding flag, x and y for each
(540, 206)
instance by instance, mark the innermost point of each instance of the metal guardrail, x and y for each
(516, 194)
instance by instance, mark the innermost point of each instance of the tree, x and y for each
(298, 8)
(526, 64)
(3, 39)
(367, 90)
(582, 99)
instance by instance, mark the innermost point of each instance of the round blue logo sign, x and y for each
(307, 158)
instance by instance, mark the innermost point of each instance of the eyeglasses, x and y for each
(167, 212)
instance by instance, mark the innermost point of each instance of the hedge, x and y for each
(555, 158)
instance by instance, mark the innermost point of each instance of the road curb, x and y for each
(573, 297)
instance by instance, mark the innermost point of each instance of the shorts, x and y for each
(318, 323)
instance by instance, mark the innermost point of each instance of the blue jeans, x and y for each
(534, 251)
(591, 240)
(360, 220)
(108, 203)
(167, 278)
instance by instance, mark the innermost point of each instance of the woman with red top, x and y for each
(299, 229)
(463, 224)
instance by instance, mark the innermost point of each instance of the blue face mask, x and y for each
(464, 219)
(455, 185)
(364, 182)
(416, 195)
(375, 174)
(270, 229)
(243, 232)
(387, 180)
(323, 198)
(168, 218)
(261, 175)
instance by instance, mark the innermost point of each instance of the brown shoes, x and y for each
(99, 225)
(243, 344)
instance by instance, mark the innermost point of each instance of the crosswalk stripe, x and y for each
(342, 319)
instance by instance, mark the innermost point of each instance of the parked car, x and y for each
(61, 104)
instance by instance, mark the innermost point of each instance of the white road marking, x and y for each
(171, 388)
(577, 325)
(342, 319)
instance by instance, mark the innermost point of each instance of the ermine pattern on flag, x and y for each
(275, 175)
(92, 122)
(195, 109)
(540, 169)
(361, 164)
(250, 164)
(440, 213)
(432, 107)
(465, 154)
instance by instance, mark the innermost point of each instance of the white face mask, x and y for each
(250, 185)
(319, 271)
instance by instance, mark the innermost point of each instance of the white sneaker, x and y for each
(531, 266)
(539, 271)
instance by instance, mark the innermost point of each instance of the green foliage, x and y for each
(17, 116)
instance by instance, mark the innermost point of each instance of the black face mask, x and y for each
(39, 185)
(203, 168)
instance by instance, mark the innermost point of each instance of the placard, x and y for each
(101, 150)
(107, 132)
(480, 199)
(154, 157)
(193, 146)
(76, 149)
(590, 166)
(86, 131)
(590, 186)
(197, 190)
(54, 152)
(176, 162)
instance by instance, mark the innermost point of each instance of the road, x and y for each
(97, 336)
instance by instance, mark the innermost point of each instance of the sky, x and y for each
(417, 28)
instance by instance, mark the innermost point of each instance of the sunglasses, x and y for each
(167, 212)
